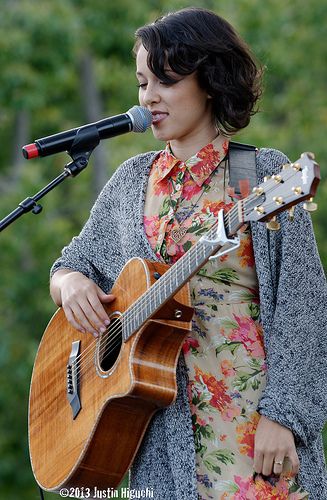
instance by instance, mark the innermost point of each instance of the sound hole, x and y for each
(110, 344)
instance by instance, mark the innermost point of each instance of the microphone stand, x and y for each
(86, 140)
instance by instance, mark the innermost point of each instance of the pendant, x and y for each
(178, 234)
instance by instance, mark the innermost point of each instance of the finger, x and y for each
(278, 465)
(106, 297)
(268, 463)
(89, 313)
(294, 460)
(98, 308)
(71, 319)
(83, 319)
(258, 461)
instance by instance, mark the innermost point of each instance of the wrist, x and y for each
(56, 283)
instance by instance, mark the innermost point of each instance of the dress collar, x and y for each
(200, 166)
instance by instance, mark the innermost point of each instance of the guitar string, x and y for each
(115, 336)
(160, 284)
(229, 215)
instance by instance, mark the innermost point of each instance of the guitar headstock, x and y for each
(296, 182)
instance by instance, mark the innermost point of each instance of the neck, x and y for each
(186, 147)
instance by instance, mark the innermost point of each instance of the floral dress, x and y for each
(224, 353)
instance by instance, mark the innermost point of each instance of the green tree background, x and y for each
(69, 62)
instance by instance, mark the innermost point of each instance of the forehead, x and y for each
(141, 60)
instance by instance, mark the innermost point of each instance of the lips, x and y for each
(158, 116)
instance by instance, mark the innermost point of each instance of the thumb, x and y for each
(105, 297)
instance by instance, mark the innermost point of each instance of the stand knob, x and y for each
(37, 209)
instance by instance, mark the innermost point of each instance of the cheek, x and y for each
(141, 100)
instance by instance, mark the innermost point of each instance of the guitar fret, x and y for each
(171, 281)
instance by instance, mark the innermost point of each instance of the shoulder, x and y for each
(128, 175)
(269, 161)
(136, 165)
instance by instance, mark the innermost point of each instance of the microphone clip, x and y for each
(86, 140)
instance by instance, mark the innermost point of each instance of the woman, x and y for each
(250, 408)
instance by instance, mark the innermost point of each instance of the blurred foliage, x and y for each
(41, 49)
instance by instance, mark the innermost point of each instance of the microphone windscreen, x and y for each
(141, 118)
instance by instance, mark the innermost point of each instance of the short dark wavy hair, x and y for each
(198, 40)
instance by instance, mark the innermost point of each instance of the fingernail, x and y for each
(95, 334)
(107, 322)
(103, 329)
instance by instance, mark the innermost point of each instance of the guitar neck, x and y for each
(177, 275)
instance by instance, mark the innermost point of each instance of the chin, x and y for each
(160, 135)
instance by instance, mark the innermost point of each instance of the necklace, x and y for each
(179, 233)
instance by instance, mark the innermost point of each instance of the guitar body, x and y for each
(119, 387)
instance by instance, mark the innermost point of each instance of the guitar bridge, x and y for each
(73, 379)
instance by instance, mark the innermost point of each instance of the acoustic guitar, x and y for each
(91, 400)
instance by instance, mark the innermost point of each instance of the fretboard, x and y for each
(178, 274)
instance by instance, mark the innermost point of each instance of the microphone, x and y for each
(137, 119)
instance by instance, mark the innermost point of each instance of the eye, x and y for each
(170, 84)
(141, 85)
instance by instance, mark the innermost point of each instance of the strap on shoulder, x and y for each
(242, 165)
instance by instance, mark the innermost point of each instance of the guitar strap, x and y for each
(242, 165)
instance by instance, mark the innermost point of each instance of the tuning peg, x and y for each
(291, 213)
(273, 225)
(309, 206)
(258, 191)
(309, 154)
(277, 178)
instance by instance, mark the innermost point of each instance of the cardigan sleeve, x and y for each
(98, 243)
(295, 326)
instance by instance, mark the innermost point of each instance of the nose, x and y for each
(151, 95)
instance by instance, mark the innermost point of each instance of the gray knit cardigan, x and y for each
(293, 314)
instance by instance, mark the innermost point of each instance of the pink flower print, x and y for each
(190, 344)
(201, 421)
(162, 187)
(245, 252)
(190, 188)
(259, 489)
(230, 412)
(172, 248)
(250, 334)
(152, 226)
(217, 388)
(208, 159)
(245, 435)
(215, 207)
(245, 491)
(227, 369)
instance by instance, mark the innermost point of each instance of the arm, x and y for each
(293, 297)
(84, 274)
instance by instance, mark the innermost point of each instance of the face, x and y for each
(181, 111)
